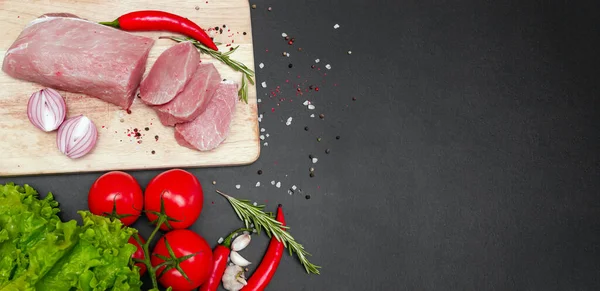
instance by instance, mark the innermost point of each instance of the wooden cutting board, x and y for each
(26, 150)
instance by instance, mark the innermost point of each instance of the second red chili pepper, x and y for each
(265, 271)
(147, 20)
(220, 256)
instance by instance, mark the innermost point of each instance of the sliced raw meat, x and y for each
(170, 73)
(210, 129)
(79, 56)
(194, 98)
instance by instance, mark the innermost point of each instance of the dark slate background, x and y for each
(469, 160)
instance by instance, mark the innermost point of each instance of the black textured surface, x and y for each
(469, 160)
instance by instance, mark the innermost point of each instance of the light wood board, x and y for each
(25, 150)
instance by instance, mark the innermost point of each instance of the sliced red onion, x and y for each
(46, 109)
(76, 136)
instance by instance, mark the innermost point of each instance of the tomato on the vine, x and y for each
(116, 194)
(182, 196)
(139, 253)
(197, 268)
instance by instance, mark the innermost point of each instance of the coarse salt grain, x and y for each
(238, 186)
(336, 26)
(349, 52)
(312, 115)
(328, 66)
(264, 84)
(283, 34)
(254, 205)
(258, 100)
(294, 187)
(278, 185)
(273, 182)
(257, 184)
(220, 240)
(306, 103)
(311, 107)
(317, 61)
(289, 121)
(262, 137)
(315, 160)
(267, 135)
(287, 55)
(262, 129)
(261, 65)
(290, 192)
(266, 144)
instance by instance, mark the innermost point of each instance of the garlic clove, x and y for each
(241, 242)
(237, 259)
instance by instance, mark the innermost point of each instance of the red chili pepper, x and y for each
(146, 20)
(265, 271)
(220, 255)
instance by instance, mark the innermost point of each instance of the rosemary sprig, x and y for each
(251, 214)
(224, 58)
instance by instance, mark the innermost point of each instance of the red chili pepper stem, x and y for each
(114, 23)
(227, 240)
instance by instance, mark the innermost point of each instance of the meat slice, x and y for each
(79, 56)
(210, 129)
(170, 73)
(194, 98)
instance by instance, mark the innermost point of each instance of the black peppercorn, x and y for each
(259, 172)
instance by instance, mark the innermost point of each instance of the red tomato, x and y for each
(182, 195)
(139, 253)
(184, 242)
(118, 189)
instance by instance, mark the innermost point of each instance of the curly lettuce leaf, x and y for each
(40, 252)
(99, 261)
(32, 236)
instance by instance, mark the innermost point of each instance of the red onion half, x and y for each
(46, 109)
(76, 136)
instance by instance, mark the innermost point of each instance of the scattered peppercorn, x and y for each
(321, 115)
(287, 38)
(197, 8)
(253, 6)
(284, 54)
(310, 156)
(216, 28)
(310, 87)
(306, 128)
(293, 39)
(244, 33)
(316, 88)
(214, 182)
(307, 197)
(138, 95)
(135, 130)
(269, 9)
(290, 66)
(153, 152)
(230, 48)
(259, 172)
(318, 139)
(312, 67)
(156, 137)
(311, 169)
(312, 174)
(128, 111)
(327, 151)
(353, 98)
(337, 137)
(299, 49)
(224, 25)
(146, 128)
(290, 42)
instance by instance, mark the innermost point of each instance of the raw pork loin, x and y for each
(170, 73)
(75, 55)
(194, 98)
(210, 129)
